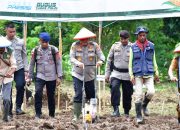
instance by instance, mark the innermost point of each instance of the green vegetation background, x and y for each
(164, 33)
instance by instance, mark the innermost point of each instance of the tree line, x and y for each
(164, 33)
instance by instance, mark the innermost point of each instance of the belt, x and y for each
(121, 70)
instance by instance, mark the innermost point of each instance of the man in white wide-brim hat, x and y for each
(83, 57)
(7, 69)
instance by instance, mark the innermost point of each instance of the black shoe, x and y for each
(11, 115)
(5, 120)
(126, 112)
(51, 115)
(116, 111)
(19, 111)
(38, 116)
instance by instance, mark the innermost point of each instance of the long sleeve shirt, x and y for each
(19, 53)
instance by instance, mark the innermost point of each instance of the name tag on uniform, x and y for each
(79, 58)
(90, 58)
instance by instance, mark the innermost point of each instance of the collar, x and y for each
(15, 37)
(142, 46)
(129, 43)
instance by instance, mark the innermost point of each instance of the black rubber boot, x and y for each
(6, 110)
(52, 114)
(144, 106)
(126, 113)
(139, 118)
(116, 111)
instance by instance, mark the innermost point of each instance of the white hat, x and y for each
(83, 34)
(4, 42)
(177, 49)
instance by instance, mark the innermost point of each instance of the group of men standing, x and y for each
(46, 62)
(129, 64)
(132, 65)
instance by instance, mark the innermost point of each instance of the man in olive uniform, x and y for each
(117, 73)
(83, 58)
(48, 72)
(7, 69)
(142, 68)
(22, 65)
(175, 67)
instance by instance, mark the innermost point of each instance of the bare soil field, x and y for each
(162, 109)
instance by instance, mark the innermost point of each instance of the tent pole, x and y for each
(100, 32)
(60, 38)
(99, 72)
(25, 40)
(60, 52)
(25, 31)
(99, 40)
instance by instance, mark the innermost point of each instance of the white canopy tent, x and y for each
(87, 10)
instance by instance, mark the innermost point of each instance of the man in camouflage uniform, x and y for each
(83, 58)
(117, 73)
(7, 69)
(22, 65)
(48, 72)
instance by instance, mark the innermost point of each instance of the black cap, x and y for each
(124, 34)
(141, 29)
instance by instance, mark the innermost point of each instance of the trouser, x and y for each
(11, 104)
(89, 89)
(138, 92)
(6, 91)
(19, 79)
(127, 91)
(50, 88)
(6, 96)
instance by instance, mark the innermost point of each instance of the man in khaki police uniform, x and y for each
(48, 73)
(22, 65)
(7, 69)
(83, 58)
(117, 73)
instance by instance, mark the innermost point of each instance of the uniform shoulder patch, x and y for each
(74, 45)
(58, 56)
(72, 48)
(32, 53)
(55, 48)
(98, 47)
(20, 41)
